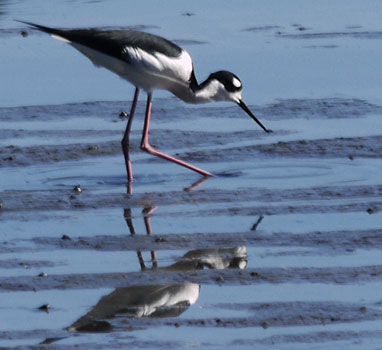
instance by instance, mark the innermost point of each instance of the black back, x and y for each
(113, 42)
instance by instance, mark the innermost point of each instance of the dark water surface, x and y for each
(281, 249)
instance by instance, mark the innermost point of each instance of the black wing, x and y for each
(113, 42)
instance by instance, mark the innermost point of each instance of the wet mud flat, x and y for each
(280, 248)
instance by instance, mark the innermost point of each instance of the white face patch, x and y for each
(236, 82)
(215, 91)
(235, 96)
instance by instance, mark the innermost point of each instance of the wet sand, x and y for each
(280, 249)
(271, 275)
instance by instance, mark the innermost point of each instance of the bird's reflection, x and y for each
(163, 300)
(197, 184)
(218, 258)
(168, 300)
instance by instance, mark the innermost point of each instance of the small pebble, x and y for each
(45, 307)
(363, 309)
(24, 33)
(176, 324)
(371, 210)
(77, 189)
(93, 148)
(265, 324)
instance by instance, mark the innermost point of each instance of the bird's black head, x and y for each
(230, 81)
(233, 88)
(225, 86)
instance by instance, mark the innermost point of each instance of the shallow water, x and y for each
(280, 249)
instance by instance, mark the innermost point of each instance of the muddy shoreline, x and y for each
(194, 258)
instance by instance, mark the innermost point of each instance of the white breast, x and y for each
(144, 70)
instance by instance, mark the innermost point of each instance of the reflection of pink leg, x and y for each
(147, 212)
(196, 184)
(141, 260)
(129, 222)
(126, 137)
(145, 145)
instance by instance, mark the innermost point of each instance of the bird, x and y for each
(150, 62)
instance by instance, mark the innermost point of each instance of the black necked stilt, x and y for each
(150, 62)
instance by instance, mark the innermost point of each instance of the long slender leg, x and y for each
(126, 137)
(145, 145)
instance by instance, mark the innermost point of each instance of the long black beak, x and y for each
(244, 106)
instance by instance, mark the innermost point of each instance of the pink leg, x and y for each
(145, 145)
(126, 137)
